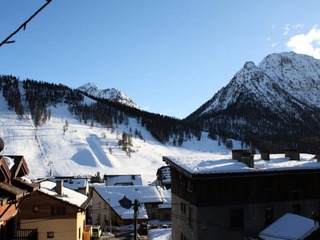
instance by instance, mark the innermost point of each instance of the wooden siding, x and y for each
(245, 189)
(40, 205)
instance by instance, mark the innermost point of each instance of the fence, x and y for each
(26, 234)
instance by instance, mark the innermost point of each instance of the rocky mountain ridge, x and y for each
(112, 94)
(274, 103)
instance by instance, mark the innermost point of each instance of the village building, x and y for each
(79, 184)
(55, 211)
(14, 188)
(114, 205)
(123, 180)
(234, 199)
(164, 177)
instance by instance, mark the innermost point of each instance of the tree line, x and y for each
(36, 98)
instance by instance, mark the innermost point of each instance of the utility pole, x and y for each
(110, 215)
(135, 216)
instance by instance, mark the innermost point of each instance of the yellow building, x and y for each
(55, 211)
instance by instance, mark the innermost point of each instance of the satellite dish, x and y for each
(1, 144)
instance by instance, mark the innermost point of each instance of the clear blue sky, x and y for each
(168, 56)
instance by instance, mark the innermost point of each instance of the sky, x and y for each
(168, 56)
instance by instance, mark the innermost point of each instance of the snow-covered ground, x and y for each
(85, 150)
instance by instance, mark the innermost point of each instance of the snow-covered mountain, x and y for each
(66, 145)
(280, 96)
(112, 94)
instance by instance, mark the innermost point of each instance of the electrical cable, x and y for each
(24, 25)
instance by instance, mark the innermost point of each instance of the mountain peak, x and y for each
(283, 90)
(112, 94)
(249, 65)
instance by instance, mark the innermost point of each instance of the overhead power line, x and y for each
(23, 25)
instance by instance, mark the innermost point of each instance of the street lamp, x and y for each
(127, 203)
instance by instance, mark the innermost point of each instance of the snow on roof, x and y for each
(9, 161)
(166, 198)
(74, 183)
(216, 163)
(289, 226)
(160, 234)
(144, 194)
(114, 180)
(70, 196)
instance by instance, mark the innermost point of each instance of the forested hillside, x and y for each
(35, 98)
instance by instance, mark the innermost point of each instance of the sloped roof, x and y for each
(289, 226)
(13, 185)
(215, 163)
(73, 183)
(20, 167)
(69, 196)
(122, 180)
(144, 194)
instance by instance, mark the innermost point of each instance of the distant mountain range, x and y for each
(112, 94)
(274, 105)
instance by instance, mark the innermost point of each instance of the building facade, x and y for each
(229, 200)
(14, 188)
(55, 211)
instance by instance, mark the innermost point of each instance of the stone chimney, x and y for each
(292, 154)
(59, 187)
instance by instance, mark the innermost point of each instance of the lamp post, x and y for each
(127, 203)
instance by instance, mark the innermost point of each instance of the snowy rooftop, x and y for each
(289, 226)
(122, 180)
(74, 183)
(144, 194)
(216, 163)
(166, 198)
(70, 196)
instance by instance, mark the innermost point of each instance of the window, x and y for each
(189, 186)
(268, 215)
(183, 207)
(190, 217)
(50, 234)
(167, 216)
(58, 210)
(236, 218)
(296, 208)
(182, 237)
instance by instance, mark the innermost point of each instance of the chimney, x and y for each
(265, 155)
(292, 154)
(244, 156)
(59, 187)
